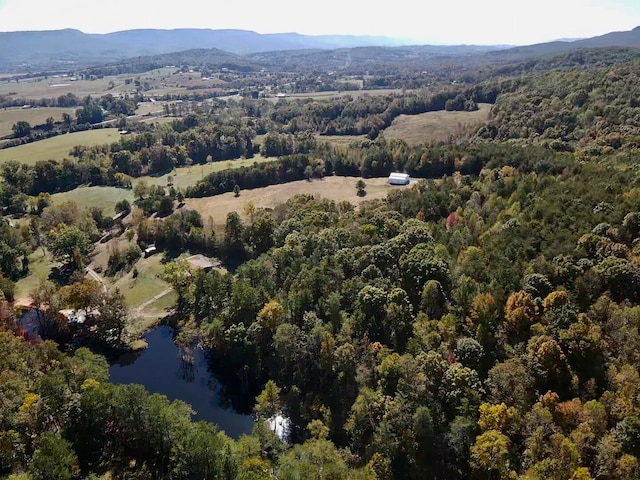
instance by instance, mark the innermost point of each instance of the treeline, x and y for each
(368, 115)
(377, 159)
(90, 114)
(286, 169)
(61, 419)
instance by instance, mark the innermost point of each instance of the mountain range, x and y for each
(68, 49)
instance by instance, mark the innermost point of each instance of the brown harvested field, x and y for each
(333, 188)
(435, 126)
(35, 116)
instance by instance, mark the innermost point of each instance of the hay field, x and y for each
(186, 176)
(435, 126)
(35, 116)
(103, 197)
(57, 148)
(107, 197)
(333, 188)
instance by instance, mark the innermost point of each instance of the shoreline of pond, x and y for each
(182, 374)
(164, 367)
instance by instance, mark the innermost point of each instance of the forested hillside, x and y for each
(481, 322)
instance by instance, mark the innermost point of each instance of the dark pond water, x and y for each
(162, 368)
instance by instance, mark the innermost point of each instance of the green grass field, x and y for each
(57, 148)
(107, 197)
(39, 269)
(186, 176)
(104, 197)
(435, 126)
(35, 116)
(148, 284)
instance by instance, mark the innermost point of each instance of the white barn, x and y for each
(397, 178)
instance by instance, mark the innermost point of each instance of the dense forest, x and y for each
(481, 323)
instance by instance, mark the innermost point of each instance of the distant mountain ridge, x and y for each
(629, 38)
(69, 47)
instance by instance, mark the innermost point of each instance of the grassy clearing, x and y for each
(186, 176)
(340, 140)
(153, 108)
(148, 284)
(35, 116)
(333, 188)
(39, 269)
(57, 148)
(104, 197)
(435, 126)
(107, 197)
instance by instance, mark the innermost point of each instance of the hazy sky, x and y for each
(427, 21)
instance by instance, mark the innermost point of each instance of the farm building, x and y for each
(399, 178)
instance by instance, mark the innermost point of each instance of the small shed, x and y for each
(397, 178)
(150, 250)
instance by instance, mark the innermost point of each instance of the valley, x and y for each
(199, 244)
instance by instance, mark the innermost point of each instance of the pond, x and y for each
(164, 368)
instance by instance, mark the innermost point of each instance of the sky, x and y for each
(480, 22)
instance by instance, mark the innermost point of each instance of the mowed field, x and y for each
(435, 126)
(104, 197)
(186, 176)
(333, 188)
(107, 197)
(35, 116)
(57, 148)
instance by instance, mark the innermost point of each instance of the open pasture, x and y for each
(183, 177)
(57, 148)
(35, 116)
(435, 126)
(103, 197)
(154, 82)
(107, 197)
(333, 188)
